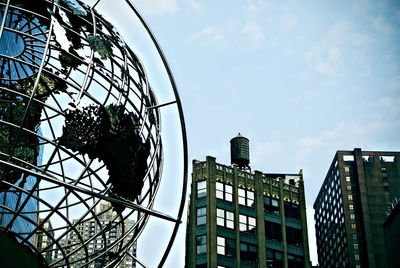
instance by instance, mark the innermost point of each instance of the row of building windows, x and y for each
(248, 252)
(247, 198)
(369, 158)
(248, 224)
(329, 220)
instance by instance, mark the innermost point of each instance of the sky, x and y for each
(299, 79)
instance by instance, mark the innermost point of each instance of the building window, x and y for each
(351, 207)
(295, 261)
(246, 197)
(386, 188)
(242, 196)
(225, 246)
(293, 236)
(201, 215)
(383, 170)
(347, 178)
(225, 218)
(356, 257)
(352, 216)
(201, 244)
(348, 158)
(368, 158)
(347, 169)
(349, 197)
(348, 187)
(274, 258)
(247, 224)
(355, 245)
(273, 231)
(354, 236)
(353, 226)
(292, 211)
(248, 252)
(201, 189)
(220, 245)
(224, 191)
(271, 204)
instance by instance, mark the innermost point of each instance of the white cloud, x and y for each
(324, 59)
(255, 6)
(397, 16)
(344, 136)
(195, 5)
(324, 56)
(381, 26)
(389, 107)
(209, 34)
(334, 48)
(289, 21)
(267, 155)
(253, 30)
(157, 7)
(394, 84)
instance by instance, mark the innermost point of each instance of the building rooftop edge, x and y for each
(268, 175)
(338, 152)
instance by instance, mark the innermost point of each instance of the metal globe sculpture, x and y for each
(80, 137)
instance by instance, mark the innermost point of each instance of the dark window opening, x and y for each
(274, 259)
(230, 247)
(295, 261)
(248, 252)
(386, 188)
(273, 231)
(293, 236)
(292, 211)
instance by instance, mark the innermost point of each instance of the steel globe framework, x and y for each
(80, 125)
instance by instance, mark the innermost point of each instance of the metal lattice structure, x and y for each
(79, 125)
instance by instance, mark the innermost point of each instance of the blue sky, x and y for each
(300, 79)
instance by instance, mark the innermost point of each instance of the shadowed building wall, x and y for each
(351, 207)
(392, 237)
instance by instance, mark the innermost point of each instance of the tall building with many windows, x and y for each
(239, 218)
(43, 239)
(352, 206)
(87, 230)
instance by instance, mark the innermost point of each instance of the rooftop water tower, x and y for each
(240, 151)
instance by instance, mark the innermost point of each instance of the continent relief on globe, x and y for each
(23, 145)
(109, 134)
